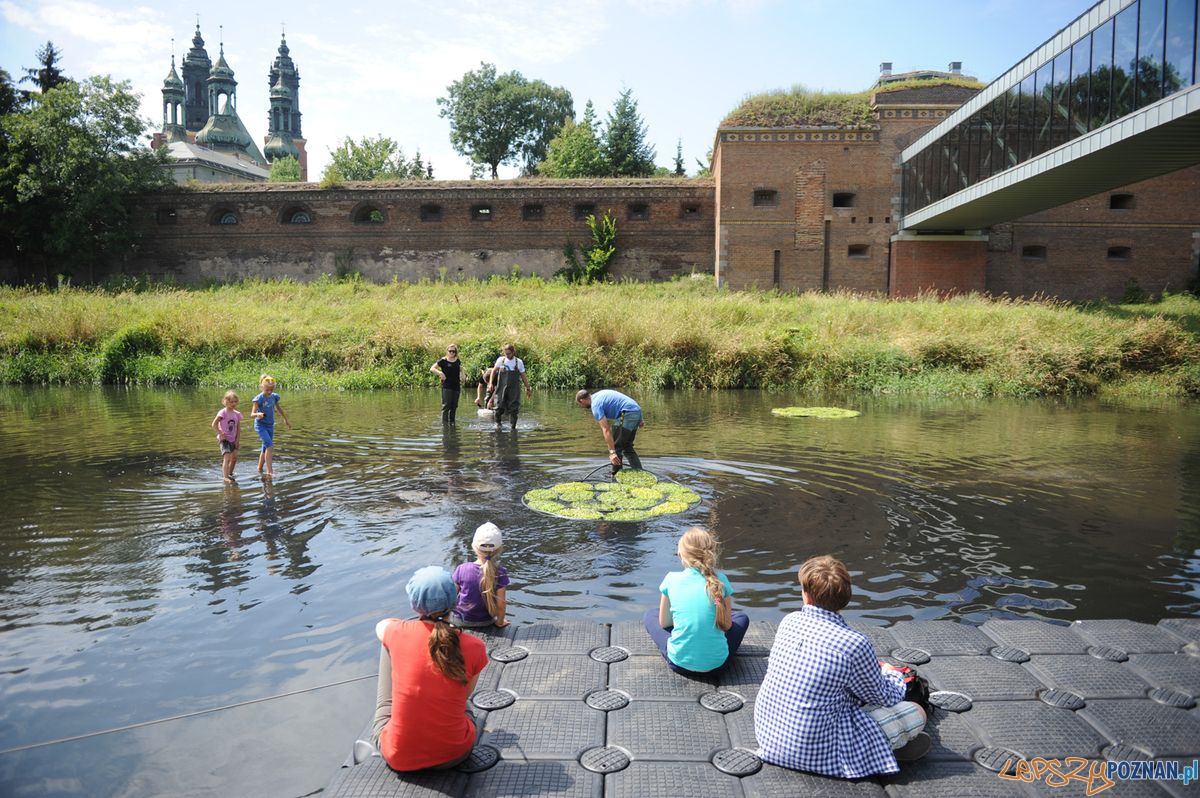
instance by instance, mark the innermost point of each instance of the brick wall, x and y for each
(664, 228)
(1158, 231)
(937, 263)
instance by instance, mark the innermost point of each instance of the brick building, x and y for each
(814, 207)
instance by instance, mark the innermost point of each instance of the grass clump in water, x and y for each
(611, 501)
(814, 412)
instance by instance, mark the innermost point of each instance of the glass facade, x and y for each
(1146, 52)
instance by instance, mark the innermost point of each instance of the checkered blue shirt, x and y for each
(807, 714)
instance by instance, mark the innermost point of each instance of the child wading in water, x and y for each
(694, 626)
(228, 426)
(263, 411)
(481, 584)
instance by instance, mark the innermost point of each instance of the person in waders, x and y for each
(507, 376)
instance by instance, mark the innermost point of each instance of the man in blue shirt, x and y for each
(826, 704)
(620, 418)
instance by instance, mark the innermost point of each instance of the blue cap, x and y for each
(431, 590)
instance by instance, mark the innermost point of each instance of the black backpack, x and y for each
(916, 688)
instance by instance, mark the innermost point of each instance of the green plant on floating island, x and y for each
(637, 496)
(814, 412)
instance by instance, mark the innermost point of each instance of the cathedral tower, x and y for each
(196, 66)
(224, 131)
(174, 102)
(279, 124)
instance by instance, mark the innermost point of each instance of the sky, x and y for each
(377, 68)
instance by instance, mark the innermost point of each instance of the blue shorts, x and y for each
(267, 433)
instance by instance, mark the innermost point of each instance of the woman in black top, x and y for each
(449, 369)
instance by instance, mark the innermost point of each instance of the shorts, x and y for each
(900, 723)
(267, 433)
(228, 447)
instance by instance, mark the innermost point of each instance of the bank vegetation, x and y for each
(685, 334)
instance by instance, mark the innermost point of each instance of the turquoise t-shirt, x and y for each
(696, 642)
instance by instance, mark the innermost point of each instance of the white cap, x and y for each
(487, 536)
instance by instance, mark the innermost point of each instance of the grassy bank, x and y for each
(351, 334)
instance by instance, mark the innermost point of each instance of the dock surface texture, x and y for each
(589, 710)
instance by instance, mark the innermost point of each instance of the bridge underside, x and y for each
(1152, 141)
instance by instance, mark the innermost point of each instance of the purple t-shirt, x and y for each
(231, 424)
(471, 605)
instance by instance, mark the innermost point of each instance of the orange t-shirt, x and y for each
(429, 724)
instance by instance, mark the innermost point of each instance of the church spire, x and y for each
(174, 100)
(284, 68)
(196, 66)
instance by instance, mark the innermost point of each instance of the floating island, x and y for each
(635, 496)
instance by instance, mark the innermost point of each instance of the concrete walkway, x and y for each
(578, 709)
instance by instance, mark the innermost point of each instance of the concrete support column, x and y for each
(946, 264)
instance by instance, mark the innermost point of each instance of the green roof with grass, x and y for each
(803, 107)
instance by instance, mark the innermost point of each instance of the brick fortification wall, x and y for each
(816, 208)
(420, 231)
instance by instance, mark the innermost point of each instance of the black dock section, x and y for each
(591, 711)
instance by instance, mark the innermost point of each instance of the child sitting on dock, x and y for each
(827, 705)
(481, 584)
(695, 627)
(427, 669)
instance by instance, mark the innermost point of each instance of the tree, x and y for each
(548, 108)
(73, 160)
(285, 170)
(10, 98)
(503, 119)
(47, 75)
(704, 168)
(680, 170)
(625, 146)
(575, 151)
(378, 158)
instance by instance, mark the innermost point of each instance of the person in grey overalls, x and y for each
(507, 376)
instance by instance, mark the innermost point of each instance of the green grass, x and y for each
(800, 106)
(355, 335)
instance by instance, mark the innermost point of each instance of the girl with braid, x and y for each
(695, 627)
(482, 584)
(427, 669)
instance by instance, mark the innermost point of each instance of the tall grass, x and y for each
(352, 334)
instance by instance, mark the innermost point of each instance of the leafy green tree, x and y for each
(72, 162)
(575, 151)
(680, 170)
(10, 98)
(46, 75)
(503, 119)
(285, 170)
(547, 107)
(704, 168)
(625, 147)
(378, 158)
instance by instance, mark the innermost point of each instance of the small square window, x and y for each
(859, 251)
(584, 210)
(765, 197)
(1120, 253)
(481, 213)
(431, 213)
(689, 211)
(1120, 202)
(533, 213)
(1035, 252)
(843, 199)
(637, 211)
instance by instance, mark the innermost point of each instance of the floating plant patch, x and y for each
(814, 412)
(635, 496)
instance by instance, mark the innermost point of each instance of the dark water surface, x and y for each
(134, 586)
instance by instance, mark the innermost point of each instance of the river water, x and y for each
(134, 586)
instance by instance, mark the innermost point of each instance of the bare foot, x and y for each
(269, 474)
(230, 481)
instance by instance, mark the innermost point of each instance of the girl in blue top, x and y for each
(695, 627)
(263, 409)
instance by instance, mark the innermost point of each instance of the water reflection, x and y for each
(133, 583)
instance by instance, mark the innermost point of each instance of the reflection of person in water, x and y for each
(507, 376)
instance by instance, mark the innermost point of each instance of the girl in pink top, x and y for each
(228, 426)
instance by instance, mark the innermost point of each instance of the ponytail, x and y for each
(446, 651)
(487, 580)
(698, 549)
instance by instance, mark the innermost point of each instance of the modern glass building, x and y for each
(1141, 52)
